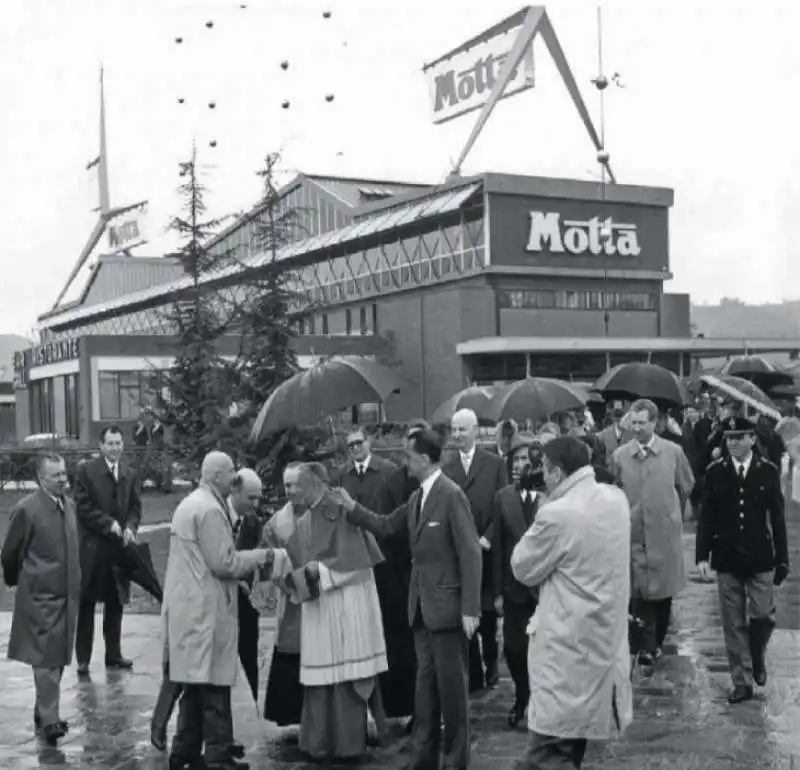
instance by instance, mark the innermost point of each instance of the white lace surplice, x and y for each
(342, 631)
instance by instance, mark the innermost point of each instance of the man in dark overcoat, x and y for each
(515, 508)
(444, 599)
(40, 556)
(741, 534)
(481, 475)
(109, 512)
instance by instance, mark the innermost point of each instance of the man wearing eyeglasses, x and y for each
(741, 534)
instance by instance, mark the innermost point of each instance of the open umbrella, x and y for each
(635, 380)
(739, 383)
(535, 398)
(759, 370)
(326, 387)
(477, 398)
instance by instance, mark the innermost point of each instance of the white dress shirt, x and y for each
(467, 458)
(527, 494)
(745, 464)
(426, 487)
(361, 468)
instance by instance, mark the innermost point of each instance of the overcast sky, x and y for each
(707, 110)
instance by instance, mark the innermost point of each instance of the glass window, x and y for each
(348, 322)
(108, 389)
(374, 317)
(325, 323)
(362, 317)
(72, 405)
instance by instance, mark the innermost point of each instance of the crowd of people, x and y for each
(389, 582)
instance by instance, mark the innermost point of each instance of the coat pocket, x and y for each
(442, 605)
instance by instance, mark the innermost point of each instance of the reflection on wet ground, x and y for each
(682, 717)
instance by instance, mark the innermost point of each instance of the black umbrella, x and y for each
(135, 563)
(635, 380)
(248, 536)
(759, 370)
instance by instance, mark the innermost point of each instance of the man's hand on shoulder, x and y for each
(341, 496)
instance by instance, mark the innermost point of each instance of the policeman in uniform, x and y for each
(741, 534)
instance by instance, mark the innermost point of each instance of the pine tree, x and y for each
(265, 318)
(199, 381)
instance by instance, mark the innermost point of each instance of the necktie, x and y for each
(741, 474)
(465, 463)
(527, 508)
(418, 513)
(113, 470)
(361, 472)
(60, 504)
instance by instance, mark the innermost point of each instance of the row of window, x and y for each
(544, 299)
(341, 322)
(123, 394)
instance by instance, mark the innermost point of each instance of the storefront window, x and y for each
(41, 395)
(541, 299)
(123, 394)
(72, 405)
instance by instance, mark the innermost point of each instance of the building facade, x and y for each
(482, 279)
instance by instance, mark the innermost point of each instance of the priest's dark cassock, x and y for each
(393, 577)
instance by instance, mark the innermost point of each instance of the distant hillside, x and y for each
(734, 319)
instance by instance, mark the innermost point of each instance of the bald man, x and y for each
(481, 475)
(200, 615)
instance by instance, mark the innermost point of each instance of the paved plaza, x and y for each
(682, 719)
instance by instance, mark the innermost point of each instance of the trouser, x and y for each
(515, 647)
(655, 615)
(47, 682)
(112, 626)
(441, 695)
(546, 752)
(483, 653)
(168, 697)
(748, 618)
(204, 717)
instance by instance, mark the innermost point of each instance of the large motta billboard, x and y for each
(462, 82)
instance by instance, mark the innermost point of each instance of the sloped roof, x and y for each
(356, 192)
(117, 276)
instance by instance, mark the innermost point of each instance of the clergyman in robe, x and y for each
(342, 647)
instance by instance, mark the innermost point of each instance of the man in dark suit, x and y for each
(365, 477)
(443, 602)
(109, 510)
(481, 475)
(515, 508)
(741, 534)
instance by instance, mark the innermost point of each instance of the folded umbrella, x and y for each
(135, 563)
(535, 398)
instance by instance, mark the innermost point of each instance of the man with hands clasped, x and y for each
(741, 534)
(444, 600)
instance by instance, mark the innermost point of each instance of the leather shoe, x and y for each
(119, 663)
(516, 715)
(52, 733)
(492, 676)
(740, 694)
(83, 669)
(37, 722)
(236, 749)
(181, 763)
(760, 675)
(158, 737)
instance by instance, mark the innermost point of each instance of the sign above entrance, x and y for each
(55, 352)
(548, 232)
(127, 229)
(463, 82)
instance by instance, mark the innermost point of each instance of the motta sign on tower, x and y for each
(549, 233)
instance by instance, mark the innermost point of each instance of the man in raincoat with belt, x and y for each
(199, 617)
(578, 553)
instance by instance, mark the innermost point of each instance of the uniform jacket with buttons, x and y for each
(742, 527)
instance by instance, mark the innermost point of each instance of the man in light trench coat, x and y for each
(199, 617)
(657, 479)
(577, 552)
(41, 557)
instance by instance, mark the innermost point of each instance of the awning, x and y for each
(708, 347)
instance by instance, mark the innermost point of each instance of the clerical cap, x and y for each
(736, 426)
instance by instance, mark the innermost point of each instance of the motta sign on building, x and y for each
(463, 82)
(549, 233)
(127, 230)
(55, 352)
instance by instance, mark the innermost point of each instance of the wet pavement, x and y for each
(681, 721)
